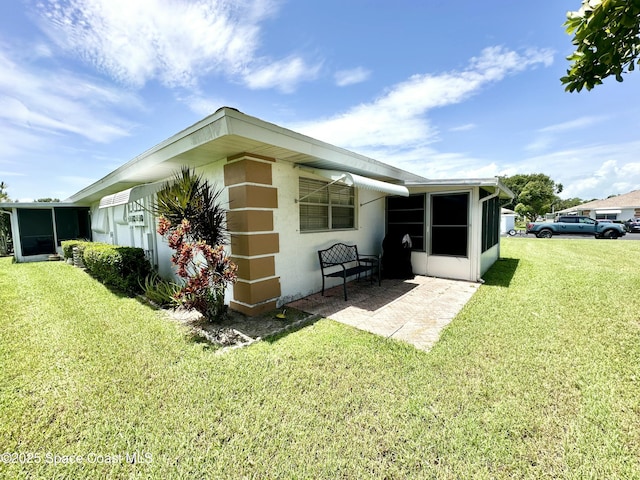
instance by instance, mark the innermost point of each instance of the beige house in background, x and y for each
(621, 207)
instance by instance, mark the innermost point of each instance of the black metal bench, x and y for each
(348, 263)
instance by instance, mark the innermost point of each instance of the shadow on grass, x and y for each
(501, 273)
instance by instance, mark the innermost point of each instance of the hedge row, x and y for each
(123, 268)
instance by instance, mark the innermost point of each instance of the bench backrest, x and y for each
(338, 253)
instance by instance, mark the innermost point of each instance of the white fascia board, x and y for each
(205, 131)
(271, 134)
(146, 167)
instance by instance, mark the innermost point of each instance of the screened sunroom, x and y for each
(39, 228)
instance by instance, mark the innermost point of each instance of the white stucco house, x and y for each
(289, 195)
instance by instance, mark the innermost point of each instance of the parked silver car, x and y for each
(632, 225)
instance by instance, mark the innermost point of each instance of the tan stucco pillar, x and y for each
(254, 243)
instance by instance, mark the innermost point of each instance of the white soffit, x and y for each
(608, 211)
(367, 183)
(129, 195)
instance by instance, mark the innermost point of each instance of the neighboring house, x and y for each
(289, 195)
(620, 208)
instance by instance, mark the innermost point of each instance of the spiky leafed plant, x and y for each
(193, 222)
(191, 197)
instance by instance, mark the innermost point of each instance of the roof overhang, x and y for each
(493, 183)
(228, 133)
(37, 205)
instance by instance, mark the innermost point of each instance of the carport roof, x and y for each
(229, 132)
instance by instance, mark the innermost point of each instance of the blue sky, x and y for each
(443, 89)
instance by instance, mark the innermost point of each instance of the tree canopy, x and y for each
(535, 194)
(606, 36)
(562, 204)
(4, 196)
(5, 223)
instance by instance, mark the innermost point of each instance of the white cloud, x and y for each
(463, 128)
(283, 75)
(137, 40)
(203, 105)
(17, 141)
(593, 171)
(575, 124)
(431, 163)
(173, 41)
(397, 119)
(58, 102)
(551, 134)
(540, 143)
(351, 77)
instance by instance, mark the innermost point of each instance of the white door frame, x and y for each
(450, 266)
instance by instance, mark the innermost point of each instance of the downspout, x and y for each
(482, 200)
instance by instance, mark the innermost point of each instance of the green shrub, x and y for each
(120, 267)
(67, 247)
(159, 291)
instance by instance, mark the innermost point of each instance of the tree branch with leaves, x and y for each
(606, 36)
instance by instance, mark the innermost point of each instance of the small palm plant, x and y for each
(193, 222)
(189, 196)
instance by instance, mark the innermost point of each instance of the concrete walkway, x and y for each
(414, 311)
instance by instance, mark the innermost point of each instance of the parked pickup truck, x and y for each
(576, 225)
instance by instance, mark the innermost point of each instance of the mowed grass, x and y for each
(537, 377)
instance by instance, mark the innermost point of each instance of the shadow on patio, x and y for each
(414, 311)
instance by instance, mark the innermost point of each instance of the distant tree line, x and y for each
(5, 223)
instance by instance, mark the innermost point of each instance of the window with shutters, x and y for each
(325, 206)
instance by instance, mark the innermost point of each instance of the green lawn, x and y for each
(537, 377)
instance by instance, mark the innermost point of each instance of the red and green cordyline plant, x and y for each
(193, 222)
(206, 269)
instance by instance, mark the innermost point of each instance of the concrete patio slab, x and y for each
(414, 311)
